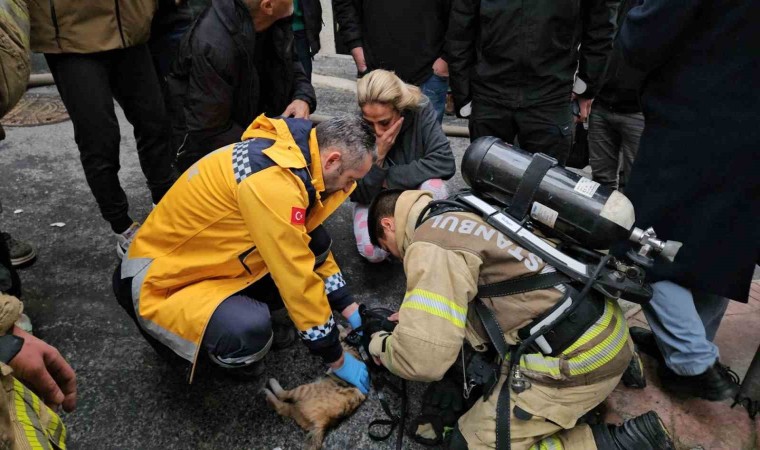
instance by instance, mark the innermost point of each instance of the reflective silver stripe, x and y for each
(334, 282)
(591, 359)
(233, 363)
(34, 418)
(437, 305)
(137, 268)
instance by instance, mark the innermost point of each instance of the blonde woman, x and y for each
(412, 151)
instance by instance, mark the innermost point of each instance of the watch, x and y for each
(10, 345)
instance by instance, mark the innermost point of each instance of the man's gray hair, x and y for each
(352, 135)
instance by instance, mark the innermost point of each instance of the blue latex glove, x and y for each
(356, 321)
(354, 372)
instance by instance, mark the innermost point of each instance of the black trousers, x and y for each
(9, 280)
(88, 84)
(546, 128)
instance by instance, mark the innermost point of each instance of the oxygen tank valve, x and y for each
(651, 246)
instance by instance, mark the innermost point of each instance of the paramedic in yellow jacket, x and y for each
(445, 259)
(238, 235)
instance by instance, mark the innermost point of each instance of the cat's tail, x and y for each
(315, 438)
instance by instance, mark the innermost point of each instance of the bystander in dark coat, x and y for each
(226, 75)
(696, 179)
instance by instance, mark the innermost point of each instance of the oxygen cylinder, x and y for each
(595, 216)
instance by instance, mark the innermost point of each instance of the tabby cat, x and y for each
(316, 406)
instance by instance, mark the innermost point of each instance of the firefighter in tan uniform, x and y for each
(446, 258)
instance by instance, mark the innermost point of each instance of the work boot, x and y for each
(22, 253)
(283, 329)
(645, 432)
(125, 238)
(717, 383)
(646, 343)
(442, 405)
(633, 377)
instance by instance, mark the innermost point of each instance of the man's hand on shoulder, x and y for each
(41, 367)
(298, 109)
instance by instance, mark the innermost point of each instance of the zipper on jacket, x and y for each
(118, 23)
(55, 24)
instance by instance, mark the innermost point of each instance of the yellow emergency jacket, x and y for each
(233, 217)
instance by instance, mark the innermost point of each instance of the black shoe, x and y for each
(633, 377)
(283, 329)
(646, 343)
(645, 432)
(22, 253)
(717, 383)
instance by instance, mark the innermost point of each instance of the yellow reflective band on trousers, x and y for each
(550, 443)
(437, 305)
(42, 428)
(593, 358)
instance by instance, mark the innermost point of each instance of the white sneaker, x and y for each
(124, 239)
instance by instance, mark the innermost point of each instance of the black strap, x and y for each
(524, 284)
(10, 345)
(503, 416)
(493, 329)
(528, 186)
(393, 420)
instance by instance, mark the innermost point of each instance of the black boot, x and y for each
(645, 432)
(633, 377)
(715, 384)
(283, 329)
(646, 343)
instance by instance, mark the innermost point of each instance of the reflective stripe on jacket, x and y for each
(239, 213)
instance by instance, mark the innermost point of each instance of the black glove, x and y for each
(442, 405)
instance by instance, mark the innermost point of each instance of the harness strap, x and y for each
(529, 184)
(524, 284)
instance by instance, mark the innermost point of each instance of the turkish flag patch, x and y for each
(297, 216)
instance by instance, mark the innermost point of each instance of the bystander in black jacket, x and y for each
(312, 20)
(405, 36)
(695, 178)
(226, 74)
(622, 83)
(521, 54)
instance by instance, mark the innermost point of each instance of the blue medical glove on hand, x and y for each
(356, 320)
(354, 372)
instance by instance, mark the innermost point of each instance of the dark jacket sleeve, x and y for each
(438, 160)
(599, 24)
(209, 98)
(653, 29)
(348, 15)
(459, 49)
(302, 88)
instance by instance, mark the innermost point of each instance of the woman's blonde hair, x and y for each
(383, 86)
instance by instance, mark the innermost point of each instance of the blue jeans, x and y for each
(436, 88)
(684, 323)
